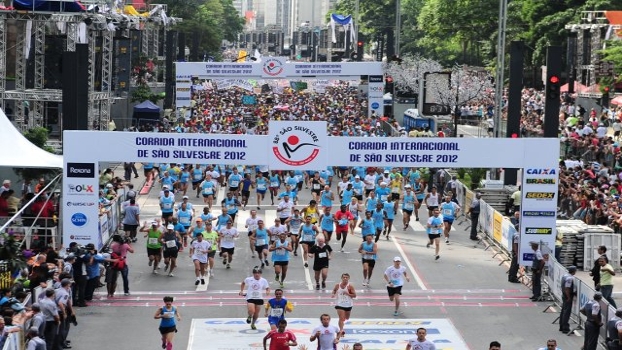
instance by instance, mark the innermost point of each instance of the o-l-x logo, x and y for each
(84, 170)
(78, 219)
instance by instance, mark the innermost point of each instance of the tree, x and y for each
(38, 136)
(407, 73)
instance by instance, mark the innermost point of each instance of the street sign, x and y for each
(603, 68)
(433, 83)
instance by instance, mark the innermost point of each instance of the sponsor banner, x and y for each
(375, 96)
(540, 195)
(386, 334)
(508, 232)
(82, 170)
(298, 146)
(80, 201)
(497, 222)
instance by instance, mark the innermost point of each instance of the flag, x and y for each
(242, 54)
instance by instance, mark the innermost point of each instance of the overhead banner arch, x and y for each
(188, 74)
(306, 146)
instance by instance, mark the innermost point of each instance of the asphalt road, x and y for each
(464, 296)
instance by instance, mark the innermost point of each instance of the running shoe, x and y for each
(248, 319)
(276, 277)
(196, 283)
(150, 262)
(169, 346)
(228, 266)
(165, 267)
(281, 284)
(224, 261)
(447, 240)
(155, 272)
(341, 250)
(396, 313)
(364, 283)
(428, 245)
(202, 281)
(267, 263)
(317, 286)
(437, 257)
(163, 343)
(323, 285)
(388, 238)
(171, 275)
(306, 265)
(253, 327)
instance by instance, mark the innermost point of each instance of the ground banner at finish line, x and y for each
(374, 334)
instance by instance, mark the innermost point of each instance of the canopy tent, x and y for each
(578, 87)
(18, 152)
(147, 111)
(617, 100)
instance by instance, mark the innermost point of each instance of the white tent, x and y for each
(16, 151)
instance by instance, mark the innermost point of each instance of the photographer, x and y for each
(83, 257)
(119, 248)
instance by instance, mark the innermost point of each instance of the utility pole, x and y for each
(398, 25)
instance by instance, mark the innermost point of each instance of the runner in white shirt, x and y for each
(395, 275)
(326, 334)
(251, 225)
(227, 234)
(198, 253)
(344, 292)
(255, 286)
(276, 230)
(420, 343)
(370, 183)
(284, 209)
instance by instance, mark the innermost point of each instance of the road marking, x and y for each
(307, 273)
(411, 267)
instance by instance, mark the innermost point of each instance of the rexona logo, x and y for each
(79, 219)
(541, 171)
(296, 146)
(85, 170)
(540, 195)
(273, 67)
(538, 231)
(540, 181)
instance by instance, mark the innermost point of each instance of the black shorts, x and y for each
(146, 172)
(434, 236)
(280, 263)
(616, 133)
(233, 189)
(165, 216)
(167, 330)
(154, 252)
(233, 216)
(260, 248)
(283, 220)
(250, 233)
(211, 254)
(227, 250)
(343, 308)
(409, 212)
(299, 186)
(309, 244)
(319, 266)
(130, 228)
(394, 290)
(367, 192)
(395, 196)
(370, 262)
(490, 129)
(359, 197)
(317, 192)
(255, 301)
(430, 208)
(246, 194)
(170, 253)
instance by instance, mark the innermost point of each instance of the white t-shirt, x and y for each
(415, 344)
(327, 336)
(343, 185)
(252, 223)
(286, 209)
(275, 231)
(255, 287)
(370, 182)
(396, 275)
(228, 236)
(200, 250)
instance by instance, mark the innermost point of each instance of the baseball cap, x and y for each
(407, 186)
(386, 172)
(397, 258)
(383, 183)
(184, 197)
(109, 185)
(155, 223)
(357, 177)
(5, 182)
(65, 282)
(170, 227)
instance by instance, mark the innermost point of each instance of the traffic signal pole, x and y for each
(553, 86)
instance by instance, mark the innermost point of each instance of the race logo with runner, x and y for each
(297, 147)
(273, 66)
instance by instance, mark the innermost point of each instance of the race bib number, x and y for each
(208, 190)
(395, 282)
(368, 256)
(255, 294)
(447, 212)
(261, 187)
(234, 183)
(274, 184)
(395, 189)
(276, 312)
(171, 244)
(322, 255)
(184, 220)
(343, 222)
(230, 207)
(307, 238)
(316, 186)
(344, 300)
(261, 242)
(384, 197)
(167, 206)
(152, 241)
(280, 251)
(409, 206)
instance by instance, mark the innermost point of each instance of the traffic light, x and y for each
(553, 87)
(388, 85)
(605, 98)
(359, 50)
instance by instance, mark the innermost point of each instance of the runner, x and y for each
(212, 237)
(347, 194)
(367, 226)
(234, 181)
(316, 184)
(308, 232)
(184, 215)
(294, 223)
(344, 292)
(261, 183)
(261, 240)
(358, 187)
(325, 334)
(368, 250)
(355, 208)
(246, 185)
(390, 209)
(409, 201)
(420, 342)
(379, 215)
(284, 209)
(168, 316)
(184, 179)
(327, 223)
(198, 253)
(322, 253)
(344, 218)
(275, 184)
(231, 203)
(167, 204)
(276, 230)
(370, 183)
(450, 210)
(228, 234)
(222, 219)
(251, 225)
(208, 190)
(154, 247)
(280, 339)
(255, 286)
(326, 197)
(280, 257)
(171, 241)
(435, 228)
(197, 178)
(195, 230)
(396, 185)
(311, 211)
(420, 195)
(207, 216)
(371, 202)
(431, 200)
(395, 275)
(383, 192)
(276, 308)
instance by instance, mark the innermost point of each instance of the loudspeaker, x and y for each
(181, 47)
(169, 79)
(75, 88)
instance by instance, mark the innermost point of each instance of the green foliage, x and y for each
(476, 175)
(143, 93)
(613, 53)
(38, 136)
(11, 253)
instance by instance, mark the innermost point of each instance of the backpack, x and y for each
(119, 265)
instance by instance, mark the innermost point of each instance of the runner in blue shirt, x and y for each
(197, 178)
(234, 181)
(231, 204)
(409, 201)
(327, 223)
(379, 215)
(308, 231)
(449, 210)
(208, 190)
(280, 257)
(390, 208)
(275, 183)
(367, 225)
(261, 183)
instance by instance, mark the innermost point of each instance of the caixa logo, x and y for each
(79, 219)
(81, 189)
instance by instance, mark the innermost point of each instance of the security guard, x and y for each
(537, 266)
(591, 310)
(614, 331)
(514, 267)
(474, 210)
(569, 290)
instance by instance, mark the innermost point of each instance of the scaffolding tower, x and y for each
(29, 101)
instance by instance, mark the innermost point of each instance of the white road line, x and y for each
(409, 264)
(307, 273)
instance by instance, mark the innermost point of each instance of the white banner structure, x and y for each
(270, 68)
(84, 150)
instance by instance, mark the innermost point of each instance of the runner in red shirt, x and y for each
(343, 218)
(280, 339)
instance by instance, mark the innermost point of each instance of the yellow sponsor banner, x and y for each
(497, 223)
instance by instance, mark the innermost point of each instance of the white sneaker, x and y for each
(170, 274)
(341, 250)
